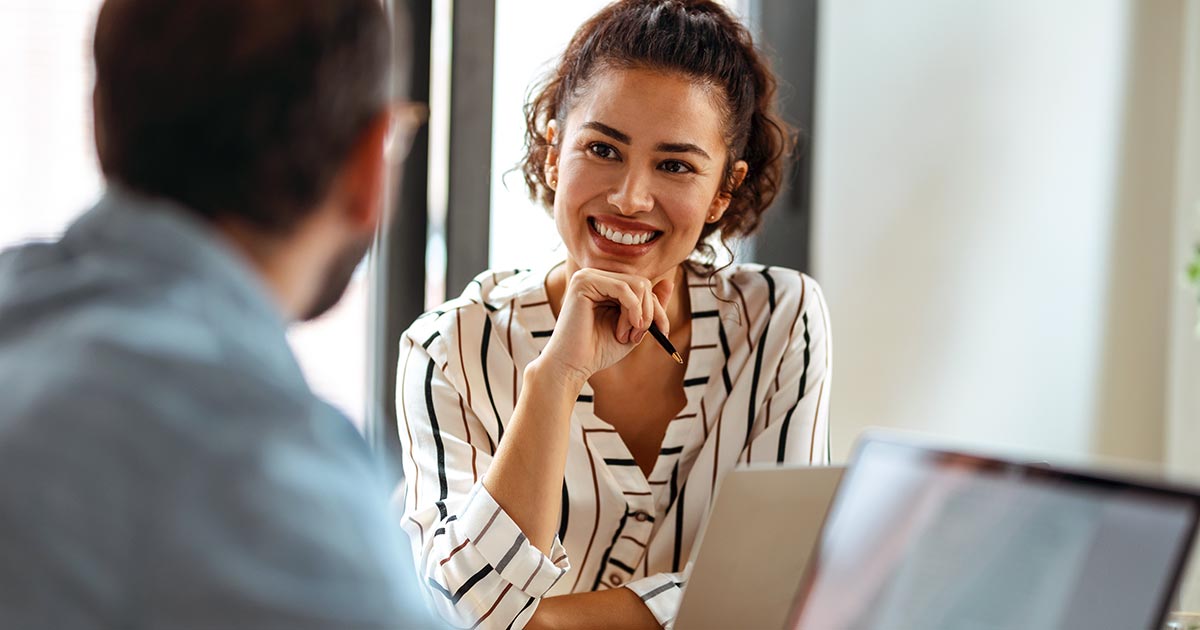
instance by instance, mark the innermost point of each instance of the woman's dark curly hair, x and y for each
(698, 39)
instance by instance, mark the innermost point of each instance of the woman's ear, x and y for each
(550, 168)
(721, 202)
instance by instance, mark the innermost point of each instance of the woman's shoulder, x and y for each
(753, 299)
(763, 287)
(491, 293)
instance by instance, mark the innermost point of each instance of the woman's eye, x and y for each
(602, 151)
(675, 166)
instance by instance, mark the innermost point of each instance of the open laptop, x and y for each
(747, 569)
(920, 538)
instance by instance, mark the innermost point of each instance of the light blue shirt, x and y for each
(163, 463)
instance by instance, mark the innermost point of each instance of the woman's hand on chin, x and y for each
(604, 316)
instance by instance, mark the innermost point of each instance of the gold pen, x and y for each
(665, 343)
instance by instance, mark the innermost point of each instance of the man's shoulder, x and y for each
(106, 332)
(141, 356)
(122, 389)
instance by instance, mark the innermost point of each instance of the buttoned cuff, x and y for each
(502, 543)
(660, 593)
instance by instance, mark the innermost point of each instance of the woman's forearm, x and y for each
(525, 477)
(618, 608)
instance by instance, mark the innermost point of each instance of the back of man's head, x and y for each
(237, 109)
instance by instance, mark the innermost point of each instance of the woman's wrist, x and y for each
(553, 373)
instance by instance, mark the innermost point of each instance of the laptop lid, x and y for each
(919, 538)
(751, 554)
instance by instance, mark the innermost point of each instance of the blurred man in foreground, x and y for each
(163, 463)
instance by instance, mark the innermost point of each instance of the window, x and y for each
(48, 168)
(332, 351)
(49, 173)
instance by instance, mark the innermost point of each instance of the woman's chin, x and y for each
(645, 268)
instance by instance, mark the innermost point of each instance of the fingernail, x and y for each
(641, 336)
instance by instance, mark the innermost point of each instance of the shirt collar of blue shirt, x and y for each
(167, 235)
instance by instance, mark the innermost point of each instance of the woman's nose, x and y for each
(632, 193)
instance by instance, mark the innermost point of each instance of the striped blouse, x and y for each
(757, 386)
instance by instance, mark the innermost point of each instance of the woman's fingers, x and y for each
(630, 292)
(613, 290)
(600, 287)
(660, 316)
(639, 303)
(662, 296)
(648, 302)
(624, 327)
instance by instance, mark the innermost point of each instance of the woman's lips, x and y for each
(619, 242)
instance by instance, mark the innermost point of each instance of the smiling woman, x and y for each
(519, 234)
(612, 164)
(559, 469)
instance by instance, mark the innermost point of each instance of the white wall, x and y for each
(1183, 396)
(994, 201)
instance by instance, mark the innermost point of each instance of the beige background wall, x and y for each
(1183, 439)
(995, 200)
(1183, 394)
(1006, 194)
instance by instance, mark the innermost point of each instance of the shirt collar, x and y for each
(167, 236)
(707, 352)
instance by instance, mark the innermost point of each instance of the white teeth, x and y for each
(622, 237)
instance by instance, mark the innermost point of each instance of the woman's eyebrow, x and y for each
(682, 147)
(664, 147)
(619, 136)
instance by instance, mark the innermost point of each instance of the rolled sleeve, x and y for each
(661, 593)
(479, 569)
(504, 546)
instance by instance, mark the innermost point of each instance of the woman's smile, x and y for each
(619, 237)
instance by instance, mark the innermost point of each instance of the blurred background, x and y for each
(998, 197)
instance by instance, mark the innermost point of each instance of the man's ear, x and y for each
(550, 168)
(720, 203)
(364, 175)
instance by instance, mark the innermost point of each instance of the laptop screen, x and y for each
(930, 540)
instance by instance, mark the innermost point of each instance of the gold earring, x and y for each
(712, 217)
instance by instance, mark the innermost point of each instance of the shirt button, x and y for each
(615, 579)
(641, 516)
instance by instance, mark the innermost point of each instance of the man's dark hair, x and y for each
(237, 108)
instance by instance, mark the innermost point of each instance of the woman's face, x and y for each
(639, 165)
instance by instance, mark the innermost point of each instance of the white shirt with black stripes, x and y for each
(757, 385)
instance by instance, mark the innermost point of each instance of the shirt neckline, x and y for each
(706, 355)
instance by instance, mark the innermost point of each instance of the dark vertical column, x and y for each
(397, 287)
(787, 30)
(468, 211)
